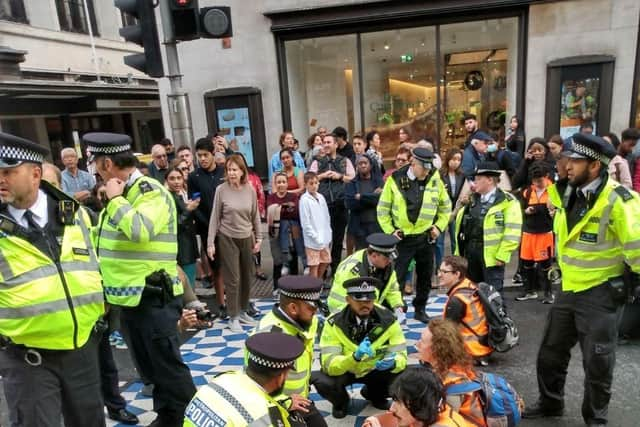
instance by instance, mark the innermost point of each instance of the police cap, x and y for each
(590, 147)
(105, 143)
(274, 350)
(362, 288)
(300, 287)
(15, 151)
(384, 244)
(488, 169)
(422, 154)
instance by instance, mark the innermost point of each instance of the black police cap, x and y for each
(300, 287)
(422, 154)
(488, 168)
(590, 147)
(383, 243)
(362, 288)
(105, 143)
(15, 150)
(274, 350)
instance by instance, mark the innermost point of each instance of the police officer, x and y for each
(375, 261)
(295, 316)
(488, 228)
(248, 398)
(597, 229)
(415, 207)
(51, 297)
(362, 343)
(136, 245)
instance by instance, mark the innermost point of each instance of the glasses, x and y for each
(445, 271)
(184, 169)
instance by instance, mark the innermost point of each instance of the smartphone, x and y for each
(195, 196)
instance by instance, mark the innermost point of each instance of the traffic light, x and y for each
(145, 34)
(215, 22)
(185, 18)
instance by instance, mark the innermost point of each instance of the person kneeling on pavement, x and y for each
(418, 401)
(362, 343)
(464, 308)
(248, 398)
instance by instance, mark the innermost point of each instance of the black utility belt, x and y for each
(617, 289)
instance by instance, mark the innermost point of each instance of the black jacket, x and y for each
(187, 245)
(205, 183)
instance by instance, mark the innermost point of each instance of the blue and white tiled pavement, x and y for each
(217, 349)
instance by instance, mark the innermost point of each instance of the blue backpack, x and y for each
(501, 403)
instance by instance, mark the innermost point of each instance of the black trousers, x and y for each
(417, 247)
(339, 218)
(313, 418)
(588, 318)
(150, 331)
(67, 383)
(334, 388)
(478, 271)
(109, 376)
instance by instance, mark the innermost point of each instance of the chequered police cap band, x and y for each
(382, 250)
(108, 149)
(363, 287)
(270, 363)
(20, 153)
(589, 152)
(307, 296)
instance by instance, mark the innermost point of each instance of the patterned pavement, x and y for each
(217, 350)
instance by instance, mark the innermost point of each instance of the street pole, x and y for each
(177, 100)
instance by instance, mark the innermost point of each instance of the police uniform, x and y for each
(51, 297)
(357, 265)
(306, 289)
(488, 231)
(412, 207)
(136, 243)
(343, 335)
(597, 229)
(235, 399)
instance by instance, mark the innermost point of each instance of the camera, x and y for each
(205, 315)
(555, 276)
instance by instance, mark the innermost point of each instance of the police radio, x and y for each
(66, 211)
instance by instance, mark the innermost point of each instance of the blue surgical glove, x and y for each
(387, 363)
(363, 349)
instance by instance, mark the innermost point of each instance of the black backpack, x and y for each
(503, 333)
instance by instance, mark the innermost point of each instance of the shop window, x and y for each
(478, 76)
(400, 84)
(323, 84)
(13, 10)
(72, 16)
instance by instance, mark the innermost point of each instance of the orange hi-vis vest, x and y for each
(450, 418)
(533, 194)
(475, 328)
(470, 404)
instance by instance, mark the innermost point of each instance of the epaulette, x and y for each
(145, 187)
(624, 193)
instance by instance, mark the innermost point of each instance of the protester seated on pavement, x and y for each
(418, 401)
(441, 347)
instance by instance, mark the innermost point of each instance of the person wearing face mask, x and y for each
(475, 152)
(241, 399)
(498, 154)
(295, 315)
(415, 207)
(418, 401)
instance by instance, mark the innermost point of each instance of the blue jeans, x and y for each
(298, 243)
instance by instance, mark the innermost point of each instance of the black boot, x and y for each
(421, 315)
(540, 410)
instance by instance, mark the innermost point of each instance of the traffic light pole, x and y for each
(177, 100)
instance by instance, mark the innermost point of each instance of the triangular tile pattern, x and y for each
(217, 349)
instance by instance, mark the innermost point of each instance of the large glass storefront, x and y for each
(423, 79)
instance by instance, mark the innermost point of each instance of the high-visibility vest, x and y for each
(137, 235)
(235, 400)
(46, 304)
(392, 206)
(470, 406)
(336, 348)
(474, 328)
(598, 246)
(351, 267)
(450, 418)
(502, 227)
(299, 376)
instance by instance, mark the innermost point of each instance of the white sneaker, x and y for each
(306, 271)
(276, 294)
(244, 318)
(284, 271)
(234, 324)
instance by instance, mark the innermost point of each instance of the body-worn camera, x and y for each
(205, 315)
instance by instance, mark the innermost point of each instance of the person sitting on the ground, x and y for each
(418, 401)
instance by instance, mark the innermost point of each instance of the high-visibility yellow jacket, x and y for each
(136, 236)
(392, 206)
(502, 227)
(49, 303)
(357, 265)
(233, 399)
(298, 377)
(337, 348)
(598, 246)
